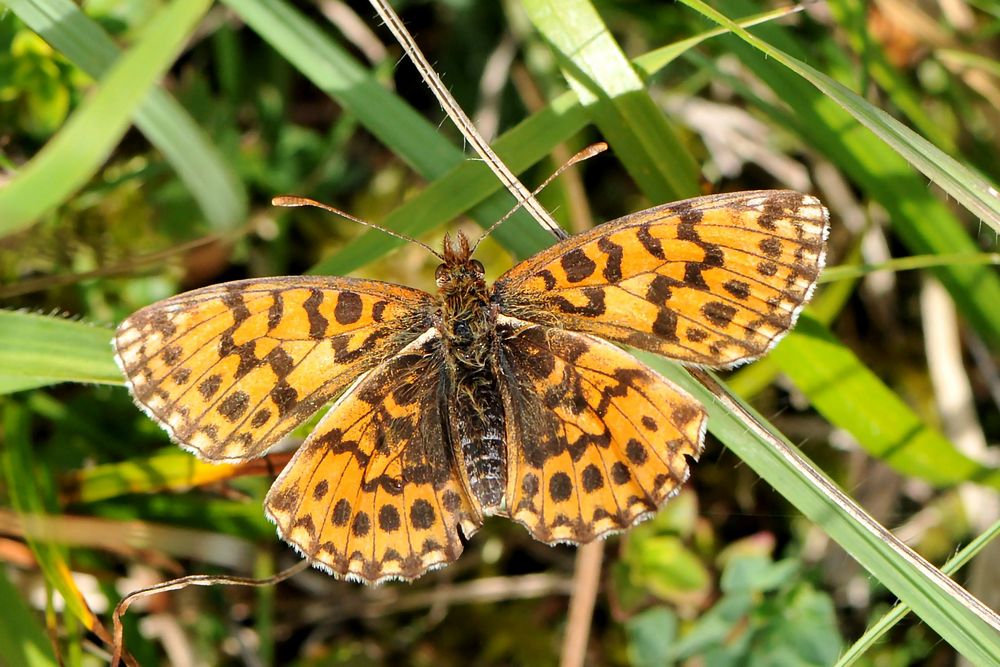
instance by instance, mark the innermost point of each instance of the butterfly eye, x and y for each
(478, 266)
(439, 273)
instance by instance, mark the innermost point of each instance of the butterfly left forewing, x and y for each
(229, 369)
(596, 440)
(714, 280)
(373, 494)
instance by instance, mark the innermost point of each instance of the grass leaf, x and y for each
(72, 157)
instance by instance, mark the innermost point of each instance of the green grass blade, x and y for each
(884, 624)
(923, 223)
(27, 500)
(961, 620)
(852, 17)
(37, 350)
(970, 189)
(66, 163)
(172, 469)
(850, 396)
(23, 642)
(616, 98)
(913, 262)
(407, 134)
(165, 123)
(650, 63)
(469, 183)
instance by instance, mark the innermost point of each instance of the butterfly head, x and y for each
(458, 269)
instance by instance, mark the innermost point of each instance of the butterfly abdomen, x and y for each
(479, 431)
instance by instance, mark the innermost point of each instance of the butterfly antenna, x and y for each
(288, 201)
(587, 153)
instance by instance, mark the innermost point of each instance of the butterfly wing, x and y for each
(228, 370)
(713, 280)
(373, 494)
(596, 440)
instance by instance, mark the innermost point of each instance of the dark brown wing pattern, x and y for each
(714, 280)
(228, 370)
(373, 493)
(596, 440)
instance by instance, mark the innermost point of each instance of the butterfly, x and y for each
(512, 399)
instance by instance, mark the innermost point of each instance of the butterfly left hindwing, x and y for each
(373, 494)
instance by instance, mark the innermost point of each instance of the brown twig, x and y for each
(586, 582)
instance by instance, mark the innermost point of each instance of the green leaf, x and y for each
(939, 602)
(36, 350)
(855, 399)
(922, 221)
(23, 642)
(972, 190)
(668, 569)
(754, 574)
(164, 122)
(616, 98)
(66, 163)
(651, 637)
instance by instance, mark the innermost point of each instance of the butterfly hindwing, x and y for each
(596, 439)
(230, 369)
(714, 280)
(372, 494)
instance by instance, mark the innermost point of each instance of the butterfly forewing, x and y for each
(714, 280)
(373, 493)
(597, 440)
(230, 369)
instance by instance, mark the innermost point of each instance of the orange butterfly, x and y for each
(480, 400)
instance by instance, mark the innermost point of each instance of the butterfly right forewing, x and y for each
(714, 280)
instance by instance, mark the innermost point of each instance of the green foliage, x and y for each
(123, 186)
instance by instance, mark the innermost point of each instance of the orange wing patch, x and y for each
(597, 441)
(372, 494)
(714, 280)
(228, 370)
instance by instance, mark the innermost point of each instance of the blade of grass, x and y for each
(37, 350)
(847, 271)
(67, 161)
(897, 613)
(969, 188)
(171, 470)
(415, 140)
(958, 617)
(922, 222)
(166, 124)
(850, 396)
(616, 98)
(852, 15)
(23, 642)
(26, 499)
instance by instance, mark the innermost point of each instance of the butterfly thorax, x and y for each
(466, 320)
